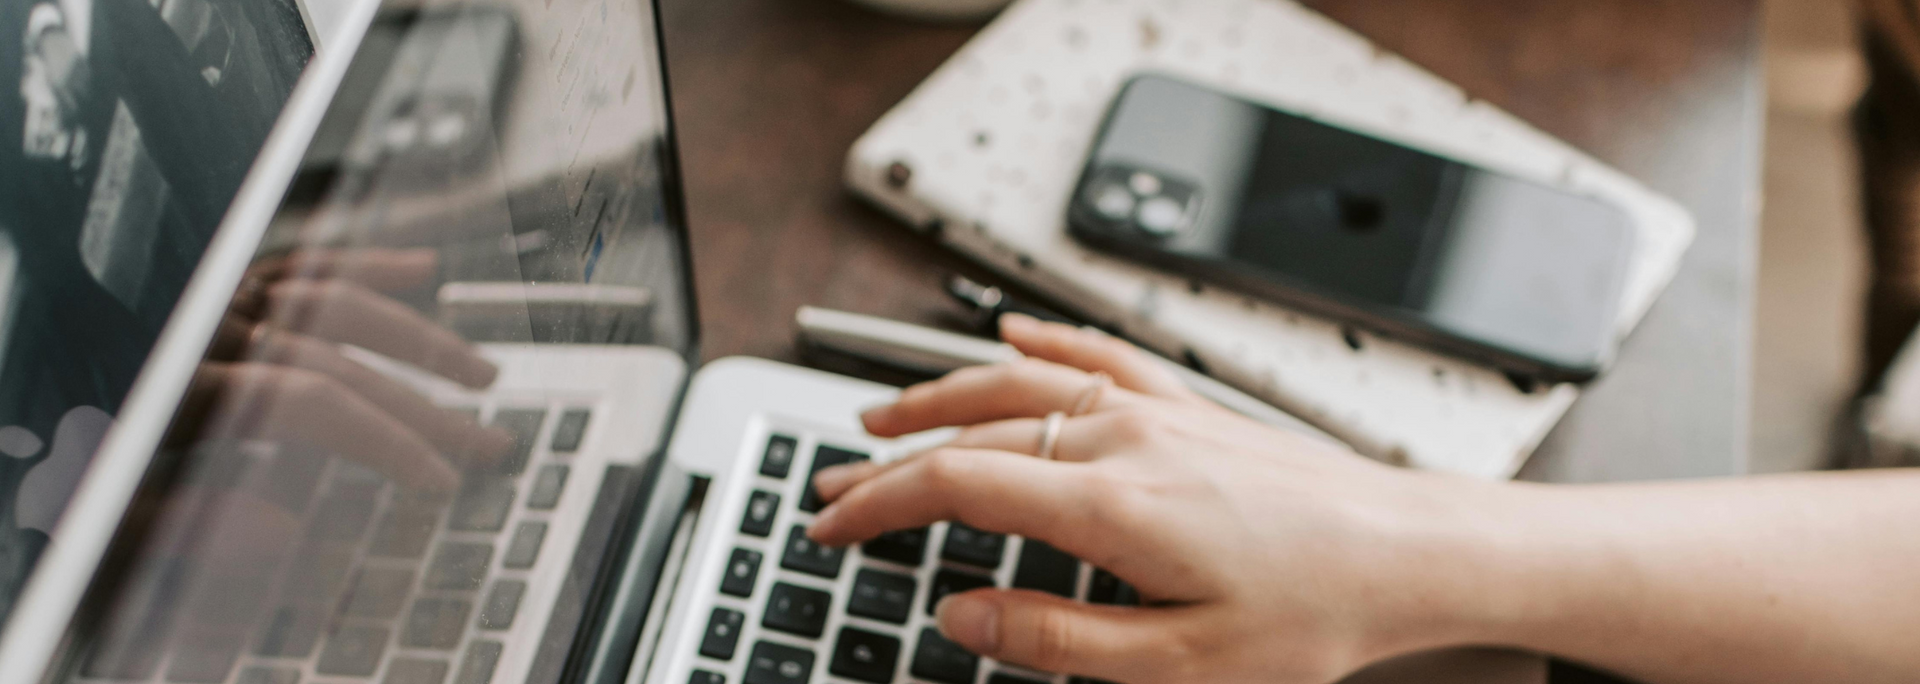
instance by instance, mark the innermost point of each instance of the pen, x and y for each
(936, 352)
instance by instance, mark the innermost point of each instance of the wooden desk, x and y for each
(770, 94)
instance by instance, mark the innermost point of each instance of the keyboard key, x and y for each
(823, 458)
(570, 431)
(482, 505)
(906, 547)
(353, 651)
(948, 582)
(525, 546)
(761, 507)
(1106, 589)
(268, 675)
(973, 547)
(803, 555)
(705, 677)
(204, 656)
(524, 425)
(779, 458)
(882, 596)
(436, 623)
(797, 610)
(292, 631)
(416, 671)
(939, 660)
(503, 602)
(379, 593)
(1044, 568)
(459, 566)
(406, 529)
(742, 569)
(723, 634)
(342, 515)
(547, 487)
(1004, 678)
(863, 655)
(318, 573)
(477, 667)
(776, 664)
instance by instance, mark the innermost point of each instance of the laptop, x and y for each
(431, 411)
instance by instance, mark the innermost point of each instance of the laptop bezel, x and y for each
(35, 634)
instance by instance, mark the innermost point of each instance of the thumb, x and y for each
(1052, 634)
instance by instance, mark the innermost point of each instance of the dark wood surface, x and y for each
(770, 94)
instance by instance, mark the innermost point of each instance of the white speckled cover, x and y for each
(996, 137)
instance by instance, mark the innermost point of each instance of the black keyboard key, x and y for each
(776, 664)
(482, 505)
(259, 674)
(779, 457)
(503, 602)
(881, 595)
(823, 458)
(939, 660)
(318, 573)
(948, 582)
(1004, 678)
(547, 487)
(525, 546)
(906, 547)
(803, 555)
(570, 431)
(416, 671)
(292, 631)
(477, 667)
(705, 677)
(723, 634)
(742, 569)
(436, 623)
(344, 512)
(797, 610)
(973, 547)
(406, 529)
(379, 593)
(1044, 568)
(863, 655)
(524, 425)
(458, 566)
(352, 651)
(761, 507)
(1103, 588)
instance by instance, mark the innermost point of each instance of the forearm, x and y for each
(1791, 578)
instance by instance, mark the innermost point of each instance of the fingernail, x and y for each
(1018, 321)
(973, 623)
(876, 414)
(833, 477)
(823, 521)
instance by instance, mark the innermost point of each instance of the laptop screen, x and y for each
(126, 127)
(345, 494)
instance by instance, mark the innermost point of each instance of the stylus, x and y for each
(936, 352)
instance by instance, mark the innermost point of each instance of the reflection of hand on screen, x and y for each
(278, 372)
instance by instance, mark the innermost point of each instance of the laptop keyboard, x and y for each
(789, 611)
(385, 585)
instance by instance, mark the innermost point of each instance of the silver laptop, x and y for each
(427, 413)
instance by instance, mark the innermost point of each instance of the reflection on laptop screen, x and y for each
(435, 396)
(126, 127)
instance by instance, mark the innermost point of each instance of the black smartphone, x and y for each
(1464, 260)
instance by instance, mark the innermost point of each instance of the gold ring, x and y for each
(1092, 394)
(1050, 435)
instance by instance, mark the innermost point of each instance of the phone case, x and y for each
(986, 151)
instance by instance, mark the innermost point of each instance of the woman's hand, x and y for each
(1262, 555)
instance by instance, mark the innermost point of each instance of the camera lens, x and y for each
(1113, 202)
(1144, 184)
(1161, 216)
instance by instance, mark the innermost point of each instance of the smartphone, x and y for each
(1379, 236)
